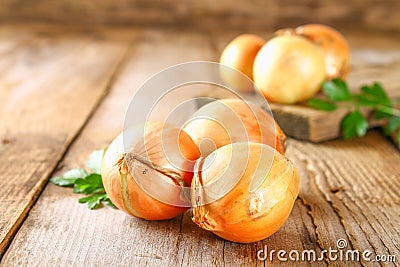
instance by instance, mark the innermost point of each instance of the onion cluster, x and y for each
(240, 187)
(291, 66)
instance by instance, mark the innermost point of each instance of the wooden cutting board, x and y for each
(305, 123)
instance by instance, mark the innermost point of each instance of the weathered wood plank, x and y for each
(358, 180)
(81, 237)
(48, 88)
(250, 14)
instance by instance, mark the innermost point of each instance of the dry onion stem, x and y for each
(175, 177)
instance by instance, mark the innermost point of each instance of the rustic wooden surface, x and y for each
(249, 14)
(39, 113)
(64, 93)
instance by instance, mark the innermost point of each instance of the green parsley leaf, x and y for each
(321, 104)
(365, 100)
(376, 94)
(94, 160)
(90, 184)
(354, 124)
(392, 125)
(337, 90)
(87, 183)
(381, 114)
(373, 97)
(68, 178)
(94, 201)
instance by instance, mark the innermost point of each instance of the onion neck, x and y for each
(172, 174)
(200, 215)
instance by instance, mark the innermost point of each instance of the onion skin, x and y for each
(333, 44)
(240, 54)
(223, 121)
(243, 215)
(289, 69)
(125, 165)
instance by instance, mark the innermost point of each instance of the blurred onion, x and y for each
(333, 44)
(289, 69)
(239, 54)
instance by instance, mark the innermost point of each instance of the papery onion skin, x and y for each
(119, 166)
(240, 54)
(289, 69)
(333, 44)
(244, 215)
(217, 121)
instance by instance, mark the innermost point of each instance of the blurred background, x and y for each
(224, 14)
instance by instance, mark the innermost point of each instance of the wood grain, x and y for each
(249, 15)
(355, 190)
(43, 104)
(348, 190)
(72, 226)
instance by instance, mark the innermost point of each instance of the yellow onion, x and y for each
(333, 44)
(240, 54)
(233, 120)
(289, 69)
(147, 168)
(244, 192)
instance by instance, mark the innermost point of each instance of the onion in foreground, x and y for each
(244, 192)
(146, 169)
(230, 121)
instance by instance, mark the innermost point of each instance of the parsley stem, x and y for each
(348, 105)
(373, 98)
(388, 110)
(382, 108)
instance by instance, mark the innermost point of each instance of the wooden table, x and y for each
(64, 92)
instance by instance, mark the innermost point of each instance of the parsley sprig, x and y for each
(87, 183)
(372, 96)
